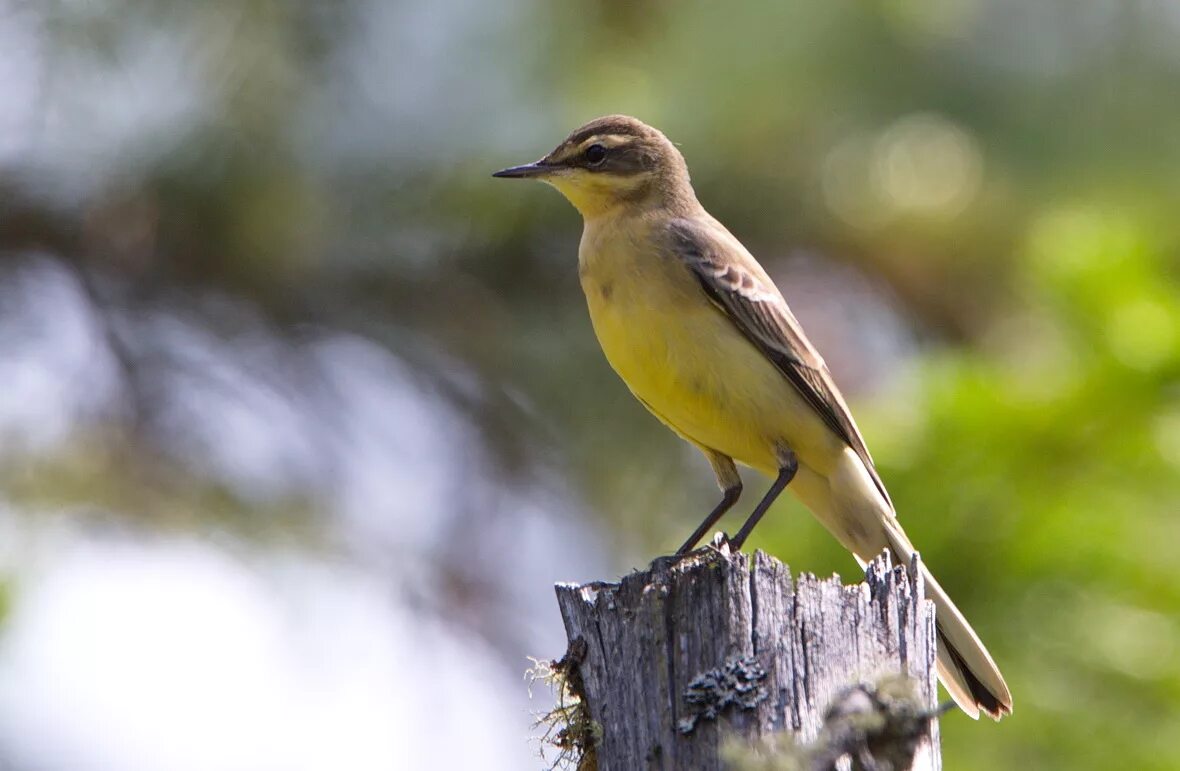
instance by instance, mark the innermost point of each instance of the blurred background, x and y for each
(302, 414)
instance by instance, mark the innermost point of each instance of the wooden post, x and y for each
(673, 661)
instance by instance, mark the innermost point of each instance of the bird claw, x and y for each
(720, 544)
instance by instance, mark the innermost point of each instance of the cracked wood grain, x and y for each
(773, 653)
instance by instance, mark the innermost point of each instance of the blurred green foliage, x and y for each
(1002, 175)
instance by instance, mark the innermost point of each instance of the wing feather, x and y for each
(735, 283)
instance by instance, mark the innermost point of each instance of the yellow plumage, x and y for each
(683, 358)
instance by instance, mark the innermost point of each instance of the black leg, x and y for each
(728, 499)
(785, 475)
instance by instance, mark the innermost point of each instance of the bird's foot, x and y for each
(720, 544)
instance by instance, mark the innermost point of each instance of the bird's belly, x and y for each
(692, 368)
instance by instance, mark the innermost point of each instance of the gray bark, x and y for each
(679, 657)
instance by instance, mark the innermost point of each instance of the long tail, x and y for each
(965, 667)
(850, 504)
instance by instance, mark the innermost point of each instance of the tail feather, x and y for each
(848, 503)
(965, 667)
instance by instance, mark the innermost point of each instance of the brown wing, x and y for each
(736, 284)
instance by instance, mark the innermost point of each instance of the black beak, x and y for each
(525, 171)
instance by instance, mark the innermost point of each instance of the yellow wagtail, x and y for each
(705, 340)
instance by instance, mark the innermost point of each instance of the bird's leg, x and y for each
(730, 483)
(728, 499)
(789, 464)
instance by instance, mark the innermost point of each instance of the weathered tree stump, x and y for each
(674, 660)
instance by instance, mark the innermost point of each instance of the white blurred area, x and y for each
(173, 654)
(128, 648)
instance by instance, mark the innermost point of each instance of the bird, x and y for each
(704, 339)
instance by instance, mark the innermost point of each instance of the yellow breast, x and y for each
(684, 359)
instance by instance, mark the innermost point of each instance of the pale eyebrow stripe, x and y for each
(607, 140)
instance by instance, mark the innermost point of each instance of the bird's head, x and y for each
(611, 162)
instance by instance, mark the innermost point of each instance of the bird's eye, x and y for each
(595, 154)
